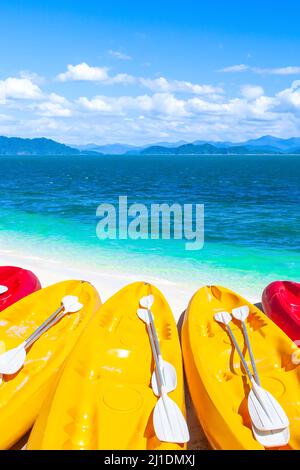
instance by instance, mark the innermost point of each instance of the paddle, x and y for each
(270, 424)
(3, 289)
(12, 360)
(168, 420)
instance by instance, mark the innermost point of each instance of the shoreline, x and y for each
(107, 283)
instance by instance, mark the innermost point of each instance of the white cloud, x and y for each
(236, 109)
(56, 106)
(161, 84)
(99, 104)
(167, 104)
(235, 68)
(55, 98)
(119, 55)
(53, 105)
(289, 70)
(163, 115)
(50, 109)
(32, 76)
(252, 92)
(288, 100)
(281, 71)
(124, 78)
(6, 117)
(161, 103)
(83, 72)
(166, 109)
(19, 88)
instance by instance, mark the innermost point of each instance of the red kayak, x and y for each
(16, 283)
(281, 302)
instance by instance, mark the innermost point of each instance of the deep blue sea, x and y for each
(252, 214)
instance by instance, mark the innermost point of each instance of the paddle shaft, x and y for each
(154, 334)
(160, 380)
(253, 382)
(240, 353)
(44, 327)
(255, 372)
(159, 376)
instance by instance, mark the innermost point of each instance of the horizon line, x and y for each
(209, 141)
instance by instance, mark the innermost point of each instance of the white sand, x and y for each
(50, 271)
(107, 284)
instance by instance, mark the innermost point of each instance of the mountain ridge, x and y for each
(264, 144)
(42, 146)
(39, 146)
(205, 149)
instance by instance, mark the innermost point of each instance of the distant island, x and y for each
(48, 147)
(263, 145)
(205, 149)
(38, 147)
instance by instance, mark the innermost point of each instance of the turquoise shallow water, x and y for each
(252, 216)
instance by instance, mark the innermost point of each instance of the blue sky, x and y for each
(141, 72)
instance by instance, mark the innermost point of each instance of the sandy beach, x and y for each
(107, 284)
(50, 271)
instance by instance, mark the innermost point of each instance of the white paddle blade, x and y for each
(143, 315)
(277, 438)
(3, 289)
(295, 358)
(265, 412)
(169, 422)
(11, 361)
(241, 313)
(71, 304)
(147, 301)
(169, 375)
(223, 317)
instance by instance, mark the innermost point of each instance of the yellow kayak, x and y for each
(219, 386)
(22, 394)
(104, 399)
